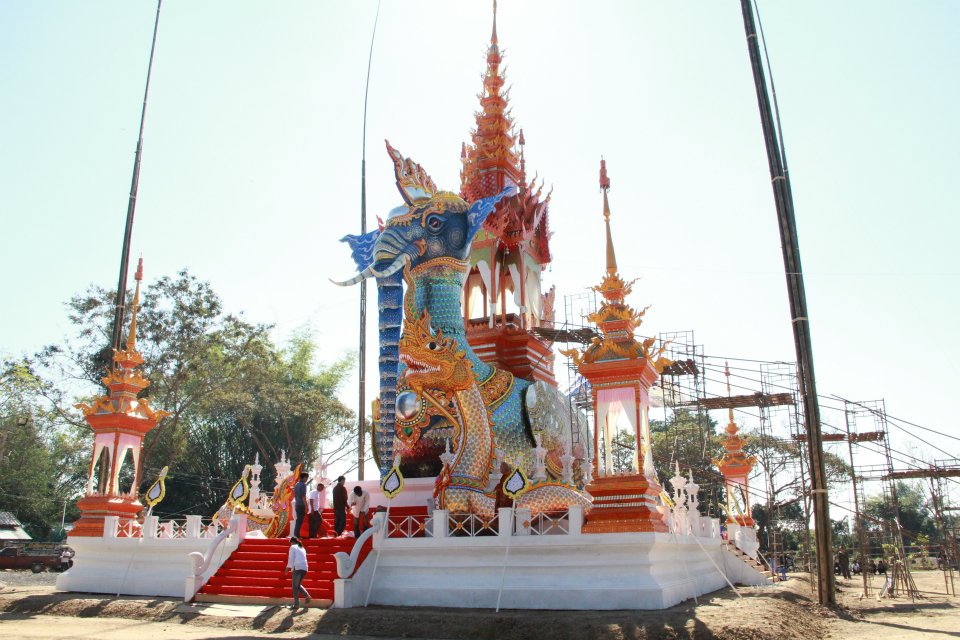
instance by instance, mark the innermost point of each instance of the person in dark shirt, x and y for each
(844, 560)
(299, 504)
(503, 500)
(339, 506)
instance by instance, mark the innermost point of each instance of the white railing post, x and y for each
(715, 528)
(441, 523)
(110, 526)
(575, 519)
(193, 527)
(241, 519)
(150, 526)
(505, 521)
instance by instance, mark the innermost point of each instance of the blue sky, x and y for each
(252, 156)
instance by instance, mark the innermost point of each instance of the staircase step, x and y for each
(316, 603)
(268, 592)
(255, 573)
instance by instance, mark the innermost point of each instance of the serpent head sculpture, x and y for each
(431, 360)
(431, 227)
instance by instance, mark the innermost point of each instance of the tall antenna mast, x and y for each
(783, 197)
(362, 410)
(120, 300)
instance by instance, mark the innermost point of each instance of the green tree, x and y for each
(914, 514)
(232, 393)
(690, 440)
(623, 446)
(41, 464)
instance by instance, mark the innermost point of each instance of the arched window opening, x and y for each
(127, 473)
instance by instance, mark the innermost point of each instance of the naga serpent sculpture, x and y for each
(281, 503)
(437, 363)
(432, 232)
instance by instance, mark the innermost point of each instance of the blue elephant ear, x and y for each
(483, 207)
(361, 248)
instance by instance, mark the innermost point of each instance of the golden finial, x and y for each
(605, 186)
(726, 369)
(493, 36)
(132, 336)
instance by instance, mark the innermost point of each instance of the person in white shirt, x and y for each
(360, 507)
(316, 503)
(297, 562)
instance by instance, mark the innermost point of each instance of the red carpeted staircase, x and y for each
(256, 572)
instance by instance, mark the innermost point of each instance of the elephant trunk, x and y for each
(390, 302)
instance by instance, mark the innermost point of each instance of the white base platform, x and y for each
(137, 566)
(604, 571)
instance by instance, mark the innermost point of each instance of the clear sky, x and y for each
(251, 167)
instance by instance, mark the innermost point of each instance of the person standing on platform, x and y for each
(316, 503)
(360, 505)
(297, 562)
(299, 503)
(339, 506)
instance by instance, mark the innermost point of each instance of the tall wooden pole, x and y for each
(798, 314)
(120, 300)
(362, 410)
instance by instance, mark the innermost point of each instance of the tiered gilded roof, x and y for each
(734, 462)
(492, 162)
(616, 319)
(124, 380)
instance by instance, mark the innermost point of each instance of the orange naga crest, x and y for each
(432, 361)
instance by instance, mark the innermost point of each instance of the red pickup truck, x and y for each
(36, 559)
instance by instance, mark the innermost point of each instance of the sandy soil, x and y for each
(933, 615)
(783, 612)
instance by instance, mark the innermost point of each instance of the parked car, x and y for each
(36, 559)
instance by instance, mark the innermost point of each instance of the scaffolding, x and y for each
(867, 422)
(778, 404)
(769, 393)
(682, 394)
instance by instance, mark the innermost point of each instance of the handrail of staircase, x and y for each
(716, 566)
(766, 564)
(201, 561)
(347, 563)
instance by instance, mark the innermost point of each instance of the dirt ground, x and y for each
(782, 612)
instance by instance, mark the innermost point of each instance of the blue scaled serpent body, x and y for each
(431, 233)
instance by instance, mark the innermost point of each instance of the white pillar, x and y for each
(575, 519)
(150, 526)
(241, 519)
(649, 471)
(193, 527)
(504, 521)
(441, 523)
(110, 526)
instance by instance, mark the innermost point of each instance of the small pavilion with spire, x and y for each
(621, 371)
(503, 299)
(735, 466)
(119, 421)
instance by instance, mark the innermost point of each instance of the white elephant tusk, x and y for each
(360, 277)
(395, 266)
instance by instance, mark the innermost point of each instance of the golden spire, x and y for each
(493, 36)
(726, 368)
(605, 186)
(132, 336)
